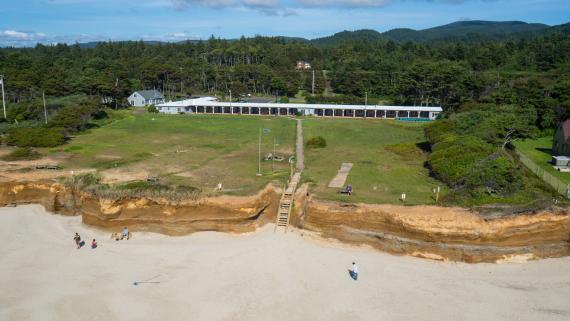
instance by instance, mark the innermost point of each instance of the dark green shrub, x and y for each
(22, 153)
(76, 118)
(453, 163)
(316, 142)
(495, 175)
(35, 137)
(437, 130)
(152, 109)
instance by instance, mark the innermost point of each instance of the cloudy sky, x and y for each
(26, 22)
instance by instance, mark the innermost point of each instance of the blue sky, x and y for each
(26, 22)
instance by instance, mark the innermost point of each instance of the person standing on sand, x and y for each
(125, 233)
(77, 239)
(93, 244)
(354, 271)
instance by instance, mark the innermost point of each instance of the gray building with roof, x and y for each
(145, 97)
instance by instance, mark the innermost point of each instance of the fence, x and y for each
(556, 183)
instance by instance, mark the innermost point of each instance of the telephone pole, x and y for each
(273, 157)
(365, 103)
(45, 109)
(231, 108)
(3, 99)
(313, 84)
(259, 154)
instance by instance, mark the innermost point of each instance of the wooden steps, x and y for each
(286, 203)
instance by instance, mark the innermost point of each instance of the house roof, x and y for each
(211, 101)
(150, 94)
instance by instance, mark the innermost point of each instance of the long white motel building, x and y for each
(210, 105)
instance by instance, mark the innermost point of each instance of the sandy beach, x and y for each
(257, 276)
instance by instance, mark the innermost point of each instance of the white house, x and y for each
(183, 106)
(146, 97)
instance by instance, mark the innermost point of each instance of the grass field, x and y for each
(539, 151)
(386, 160)
(198, 150)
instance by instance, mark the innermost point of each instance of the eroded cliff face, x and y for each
(225, 213)
(437, 232)
(433, 232)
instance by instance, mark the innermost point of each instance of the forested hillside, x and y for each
(443, 73)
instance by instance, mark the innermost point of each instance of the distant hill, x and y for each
(460, 30)
(340, 37)
(468, 30)
(475, 30)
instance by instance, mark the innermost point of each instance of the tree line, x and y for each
(446, 74)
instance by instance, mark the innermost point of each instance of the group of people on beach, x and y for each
(125, 234)
(80, 243)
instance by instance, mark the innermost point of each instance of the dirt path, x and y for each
(299, 146)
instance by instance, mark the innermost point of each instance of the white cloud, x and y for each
(171, 37)
(256, 4)
(288, 7)
(13, 35)
(343, 3)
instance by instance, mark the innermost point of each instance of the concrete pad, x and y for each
(341, 175)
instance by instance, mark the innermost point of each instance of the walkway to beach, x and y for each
(286, 201)
(257, 276)
(299, 147)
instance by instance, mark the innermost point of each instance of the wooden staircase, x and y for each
(286, 203)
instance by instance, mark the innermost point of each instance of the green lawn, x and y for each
(379, 174)
(197, 150)
(538, 150)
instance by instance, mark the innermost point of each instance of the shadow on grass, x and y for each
(424, 146)
(544, 150)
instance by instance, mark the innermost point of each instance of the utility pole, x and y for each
(45, 109)
(231, 108)
(365, 103)
(313, 84)
(3, 99)
(273, 157)
(181, 85)
(116, 84)
(259, 154)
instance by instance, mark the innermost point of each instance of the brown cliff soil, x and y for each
(225, 214)
(433, 232)
(438, 232)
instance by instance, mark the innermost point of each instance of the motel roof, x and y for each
(211, 101)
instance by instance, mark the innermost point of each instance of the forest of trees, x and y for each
(449, 74)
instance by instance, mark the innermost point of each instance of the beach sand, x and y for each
(259, 276)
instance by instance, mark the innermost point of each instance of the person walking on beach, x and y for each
(77, 239)
(354, 271)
